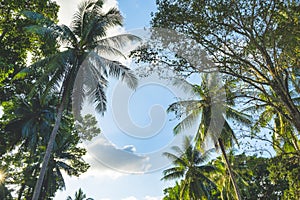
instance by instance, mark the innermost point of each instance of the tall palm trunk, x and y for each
(231, 175)
(39, 183)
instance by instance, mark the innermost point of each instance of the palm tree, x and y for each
(193, 109)
(223, 182)
(30, 121)
(79, 196)
(66, 157)
(188, 165)
(172, 193)
(31, 125)
(82, 62)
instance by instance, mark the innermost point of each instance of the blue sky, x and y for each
(137, 12)
(118, 151)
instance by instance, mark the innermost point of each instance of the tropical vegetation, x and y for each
(47, 70)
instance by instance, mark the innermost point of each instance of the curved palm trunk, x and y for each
(236, 189)
(39, 183)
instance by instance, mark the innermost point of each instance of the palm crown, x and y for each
(81, 68)
(189, 164)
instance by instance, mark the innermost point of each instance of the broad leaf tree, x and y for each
(253, 42)
(16, 43)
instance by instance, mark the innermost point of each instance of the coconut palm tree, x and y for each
(31, 125)
(66, 157)
(29, 121)
(172, 193)
(202, 107)
(189, 165)
(82, 67)
(79, 196)
(223, 182)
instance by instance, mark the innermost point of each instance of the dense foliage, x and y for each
(39, 137)
(254, 45)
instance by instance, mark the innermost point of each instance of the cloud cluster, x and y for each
(105, 156)
(145, 198)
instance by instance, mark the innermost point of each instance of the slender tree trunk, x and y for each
(39, 183)
(236, 189)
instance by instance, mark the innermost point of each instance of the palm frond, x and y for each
(90, 82)
(108, 50)
(65, 35)
(175, 159)
(184, 85)
(177, 150)
(112, 18)
(119, 41)
(41, 31)
(187, 122)
(187, 144)
(206, 168)
(173, 175)
(228, 135)
(238, 116)
(95, 23)
(173, 169)
(203, 157)
(117, 70)
(80, 15)
(93, 29)
(67, 168)
(184, 107)
(63, 65)
(94, 60)
(100, 98)
(60, 177)
(55, 66)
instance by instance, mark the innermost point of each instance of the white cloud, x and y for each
(123, 159)
(130, 198)
(145, 198)
(110, 4)
(67, 10)
(153, 198)
(106, 158)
